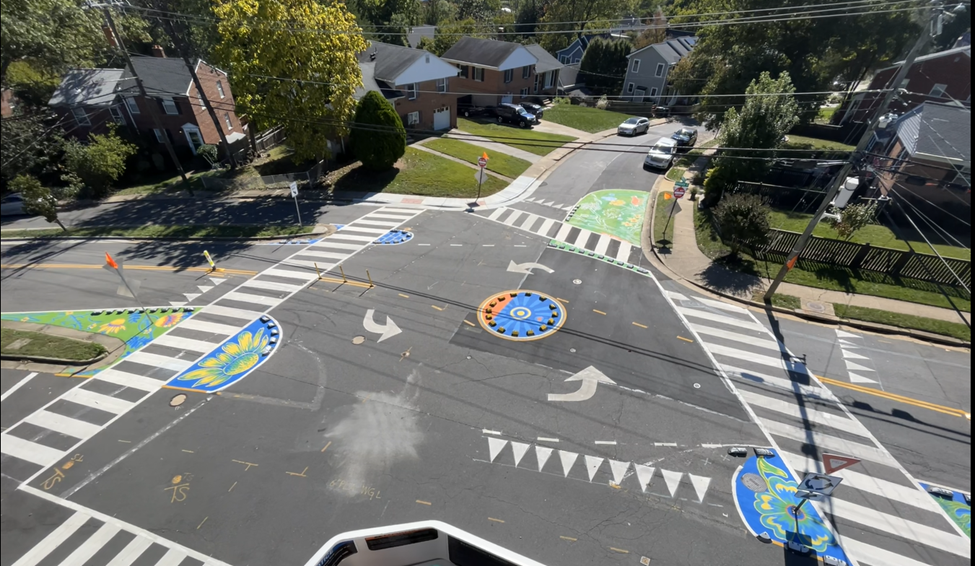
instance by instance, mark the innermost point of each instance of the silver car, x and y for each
(634, 126)
(661, 155)
(12, 205)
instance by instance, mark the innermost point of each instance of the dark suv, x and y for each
(514, 114)
(533, 109)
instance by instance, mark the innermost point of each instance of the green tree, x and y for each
(656, 33)
(378, 136)
(100, 162)
(603, 66)
(426, 44)
(33, 87)
(478, 10)
(437, 12)
(855, 217)
(209, 152)
(743, 221)
(447, 35)
(37, 198)
(32, 145)
(526, 19)
(592, 13)
(304, 81)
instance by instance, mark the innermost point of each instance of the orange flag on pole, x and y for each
(110, 261)
(484, 155)
(668, 196)
(792, 263)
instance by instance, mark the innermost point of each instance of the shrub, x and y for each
(37, 198)
(742, 220)
(378, 136)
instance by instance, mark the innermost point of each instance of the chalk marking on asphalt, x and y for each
(201, 522)
(232, 487)
(619, 550)
(489, 431)
(247, 464)
(615, 485)
(94, 476)
(897, 398)
(404, 296)
(598, 312)
(297, 475)
(421, 502)
(685, 339)
(544, 439)
(570, 539)
(640, 325)
(326, 446)
(18, 385)
(493, 520)
(561, 300)
(606, 442)
(469, 323)
(188, 451)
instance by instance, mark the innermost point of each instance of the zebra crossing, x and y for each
(600, 244)
(879, 514)
(94, 539)
(54, 432)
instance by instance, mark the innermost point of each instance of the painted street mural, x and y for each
(616, 213)
(233, 360)
(959, 510)
(521, 315)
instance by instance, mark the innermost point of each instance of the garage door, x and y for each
(441, 118)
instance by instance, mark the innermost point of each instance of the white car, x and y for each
(661, 155)
(634, 126)
(12, 205)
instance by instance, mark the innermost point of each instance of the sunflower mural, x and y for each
(617, 213)
(958, 510)
(765, 494)
(231, 361)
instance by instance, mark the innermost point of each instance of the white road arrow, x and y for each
(527, 267)
(387, 330)
(590, 378)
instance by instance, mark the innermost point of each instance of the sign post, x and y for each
(213, 266)
(480, 177)
(680, 189)
(294, 195)
(112, 265)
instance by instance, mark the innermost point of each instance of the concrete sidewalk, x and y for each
(684, 260)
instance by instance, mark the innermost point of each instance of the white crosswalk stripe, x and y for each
(878, 500)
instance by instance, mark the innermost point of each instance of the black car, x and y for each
(534, 109)
(685, 138)
(514, 114)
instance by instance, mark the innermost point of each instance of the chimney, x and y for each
(158, 51)
(110, 36)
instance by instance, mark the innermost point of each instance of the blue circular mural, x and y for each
(394, 237)
(521, 315)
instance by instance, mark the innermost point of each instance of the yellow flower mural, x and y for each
(169, 320)
(113, 327)
(233, 359)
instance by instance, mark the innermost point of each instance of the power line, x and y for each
(933, 249)
(932, 224)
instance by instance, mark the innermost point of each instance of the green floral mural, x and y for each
(617, 213)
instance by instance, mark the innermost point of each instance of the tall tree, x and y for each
(655, 33)
(37, 198)
(813, 51)
(579, 16)
(603, 66)
(303, 80)
(478, 10)
(437, 12)
(448, 34)
(526, 19)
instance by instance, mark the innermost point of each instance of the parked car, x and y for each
(534, 109)
(685, 137)
(514, 114)
(12, 205)
(661, 155)
(468, 110)
(634, 126)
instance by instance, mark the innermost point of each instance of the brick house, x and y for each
(90, 99)
(943, 76)
(494, 71)
(417, 83)
(927, 164)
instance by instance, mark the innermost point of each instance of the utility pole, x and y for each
(183, 52)
(931, 28)
(142, 91)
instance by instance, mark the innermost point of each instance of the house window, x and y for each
(653, 92)
(132, 105)
(411, 91)
(629, 88)
(117, 115)
(220, 89)
(939, 91)
(442, 85)
(169, 106)
(80, 116)
(563, 59)
(159, 135)
(509, 75)
(524, 92)
(226, 120)
(462, 71)
(635, 66)
(479, 74)
(660, 70)
(413, 119)
(526, 71)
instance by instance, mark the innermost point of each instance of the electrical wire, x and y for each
(931, 223)
(933, 249)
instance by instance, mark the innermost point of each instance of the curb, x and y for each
(327, 231)
(55, 361)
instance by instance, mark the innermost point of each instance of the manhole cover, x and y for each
(697, 386)
(577, 281)
(358, 340)
(177, 400)
(754, 482)
(572, 350)
(815, 307)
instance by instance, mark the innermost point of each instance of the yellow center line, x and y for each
(570, 539)
(170, 268)
(436, 307)
(619, 550)
(404, 296)
(493, 520)
(897, 398)
(640, 325)
(685, 339)
(598, 312)
(421, 502)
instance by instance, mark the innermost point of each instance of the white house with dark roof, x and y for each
(648, 70)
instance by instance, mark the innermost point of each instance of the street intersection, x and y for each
(599, 434)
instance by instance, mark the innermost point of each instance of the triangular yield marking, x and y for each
(560, 205)
(176, 303)
(216, 280)
(700, 486)
(191, 296)
(854, 378)
(848, 355)
(644, 474)
(495, 446)
(853, 366)
(849, 344)
(549, 203)
(529, 200)
(568, 459)
(593, 463)
(566, 208)
(204, 288)
(619, 470)
(519, 449)
(543, 454)
(672, 480)
(845, 334)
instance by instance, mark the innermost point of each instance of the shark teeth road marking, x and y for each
(619, 470)
(592, 465)
(543, 454)
(700, 486)
(672, 479)
(495, 446)
(568, 459)
(644, 474)
(519, 449)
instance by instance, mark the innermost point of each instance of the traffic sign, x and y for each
(833, 463)
(817, 486)
(480, 176)
(294, 189)
(481, 162)
(679, 191)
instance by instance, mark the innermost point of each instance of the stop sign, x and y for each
(679, 191)
(481, 162)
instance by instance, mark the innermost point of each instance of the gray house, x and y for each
(648, 71)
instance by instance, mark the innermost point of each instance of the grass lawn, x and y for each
(874, 234)
(779, 300)
(538, 143)
(583, 118)
(48, 346)
(498, 162)
(826, 114)
(417, 173)
(802, 142)
(165, 183)
(280, 160)
(155, 231)
(661, 212)
(954, 329)
(675, 173)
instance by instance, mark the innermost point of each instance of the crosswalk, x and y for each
(53, 432)
(601, 244)
(879, 514)
(551, 203)
(94, 539)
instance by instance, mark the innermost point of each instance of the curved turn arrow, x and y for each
(527, 267)
(387, 330)
(590, 378)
